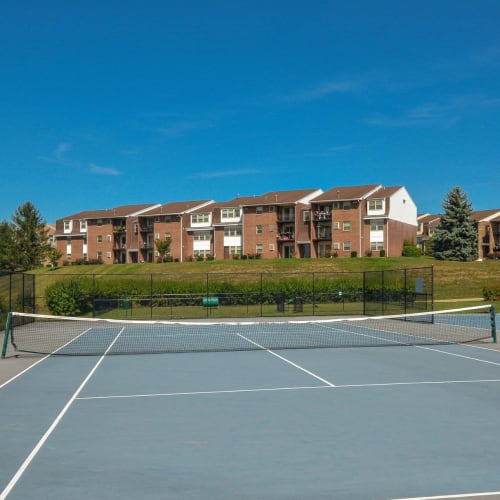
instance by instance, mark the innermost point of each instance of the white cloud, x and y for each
(226, 173)
(97, 169)
(321, 91)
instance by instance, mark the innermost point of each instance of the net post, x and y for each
(8, 327)
(493, 323)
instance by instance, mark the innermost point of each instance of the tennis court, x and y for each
(280, 422)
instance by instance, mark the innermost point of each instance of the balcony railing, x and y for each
(286, 237)
(320, 215)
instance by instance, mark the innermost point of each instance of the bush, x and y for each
(492, 292)
(382, 253)
(411, 250)
(70, 298)
(354, 254)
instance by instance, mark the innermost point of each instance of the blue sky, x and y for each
(106, 103)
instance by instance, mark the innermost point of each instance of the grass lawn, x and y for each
(456, 284)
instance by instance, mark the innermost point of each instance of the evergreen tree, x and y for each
(456, 236)
(7, 247)
(30, 237)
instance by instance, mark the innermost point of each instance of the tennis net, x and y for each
(45, 334)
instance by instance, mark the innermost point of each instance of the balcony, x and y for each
(322, 215)
(119, 229)
(324, 236)
(286, 218)
(285, 236)
(147, 229)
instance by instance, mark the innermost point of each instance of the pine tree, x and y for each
(456, 236)
(7, 246)
(30, 236)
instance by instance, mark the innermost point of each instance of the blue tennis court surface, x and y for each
(355, 423)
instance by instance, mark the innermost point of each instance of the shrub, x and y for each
(492, 291)
(71, 298)
(411, 250)
(382, 253)
(354, 254)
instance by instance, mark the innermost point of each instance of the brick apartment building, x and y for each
(104, 235)
(307, 223)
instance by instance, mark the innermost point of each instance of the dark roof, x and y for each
(177, 207)
(121, 211)
(347, 193)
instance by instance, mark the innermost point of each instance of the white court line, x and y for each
(472, 358)
(328, 383)
(467, 495)
(293, 388)
(43, 359)
(50, 430)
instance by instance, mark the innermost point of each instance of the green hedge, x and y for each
(83, 295)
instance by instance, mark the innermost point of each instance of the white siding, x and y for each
(402, 208)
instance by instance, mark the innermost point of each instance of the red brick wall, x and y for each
(268, 237)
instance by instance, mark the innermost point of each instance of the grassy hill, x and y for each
(454, 282)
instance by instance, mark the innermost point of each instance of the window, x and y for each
(336, 205)
(234, 250)
(108, 255)
(377, 245)
(108, 238)
(347, 245)
(336, 245)
(271, 247)
(67, 226)
(99, 255)
(83, 225)
(157, 236)
(230, 213)
(346, 205)
(271, 209)
(258, 229)
(232, 231)
(258, 210)
(307, 215)
(259, 248)
(99, 238)
(136, 228)
(201, 236)
(336, 225)
(168, 235)
(99, 222)
(376, 225)
(200, 218)
(201, 253)
(271, 228)
(168, 218)
(375, 204)
(68, 256)
(346, 225)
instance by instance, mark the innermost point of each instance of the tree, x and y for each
(7, 247)
(163, 248)
(456, 236)
(30, 237)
